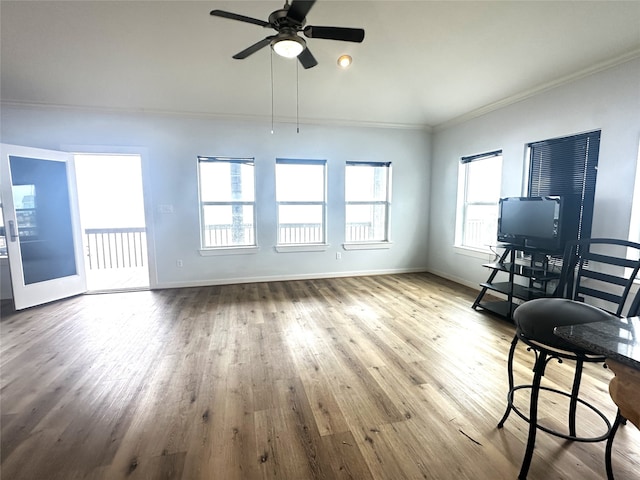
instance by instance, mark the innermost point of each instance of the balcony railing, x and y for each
(116, 247)
(298, 233)
(480, 232)
(110, 248)
(363, 232)
(228, 235)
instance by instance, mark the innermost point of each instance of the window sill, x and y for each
(311, 247)
(475, 252)
(212, 252)
(367, 246)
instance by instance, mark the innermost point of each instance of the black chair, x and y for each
(594, 285)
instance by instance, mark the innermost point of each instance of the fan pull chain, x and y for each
(271, 91)
(297, 98)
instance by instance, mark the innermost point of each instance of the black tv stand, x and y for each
(534, 275)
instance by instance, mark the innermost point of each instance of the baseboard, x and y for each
(453, 278)
(282, 278)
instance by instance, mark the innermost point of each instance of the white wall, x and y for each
(171, 144)
(608, 100)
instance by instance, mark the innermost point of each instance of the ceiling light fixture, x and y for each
(344, 61)
(288, 45)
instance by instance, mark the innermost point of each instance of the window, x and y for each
(227, 202)
(367, 196)
(479, 180)
(566, 166)
(24, 201)
(634, 225)
(301, 199)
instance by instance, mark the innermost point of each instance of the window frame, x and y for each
(377, 243)
(634, 222)
(463, 203)
(304, 246)
(206, 250)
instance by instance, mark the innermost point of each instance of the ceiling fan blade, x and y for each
(253, 48)
(241, 18)
(307, 60)
(335, 33)
(299, 9)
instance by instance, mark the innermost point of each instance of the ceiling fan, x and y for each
(288, 22)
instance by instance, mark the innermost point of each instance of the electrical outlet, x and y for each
(179, 263)
(338, 255)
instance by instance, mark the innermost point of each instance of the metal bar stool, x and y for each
(601, 270)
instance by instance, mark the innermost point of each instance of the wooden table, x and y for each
(619, 341)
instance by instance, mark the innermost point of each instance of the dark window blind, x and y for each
(480, 156)
(567, 166)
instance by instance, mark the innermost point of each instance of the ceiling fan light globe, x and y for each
(288, 47)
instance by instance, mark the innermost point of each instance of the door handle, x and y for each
(13, 234)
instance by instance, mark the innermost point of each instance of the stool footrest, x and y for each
(555, 432)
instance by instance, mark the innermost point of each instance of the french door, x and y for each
(44, 239)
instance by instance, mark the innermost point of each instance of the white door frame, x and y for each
(28, 295)
(146, 193)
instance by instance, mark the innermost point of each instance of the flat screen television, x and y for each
(545, 223)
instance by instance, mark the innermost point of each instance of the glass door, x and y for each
(42, 227)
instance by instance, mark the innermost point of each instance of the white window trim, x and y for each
(302, 247)
(485, 254)
(472, 251)
(375, 244)
(634, 224)
(219, 251)
(226, 249)
(367, 245)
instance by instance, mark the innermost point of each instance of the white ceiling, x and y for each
(422, 63)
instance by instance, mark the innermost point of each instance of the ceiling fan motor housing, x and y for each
(280, 21)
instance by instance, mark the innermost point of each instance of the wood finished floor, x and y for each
(387, 377)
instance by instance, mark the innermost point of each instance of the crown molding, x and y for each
(593, 69)
(215, 116)
(599, 67)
